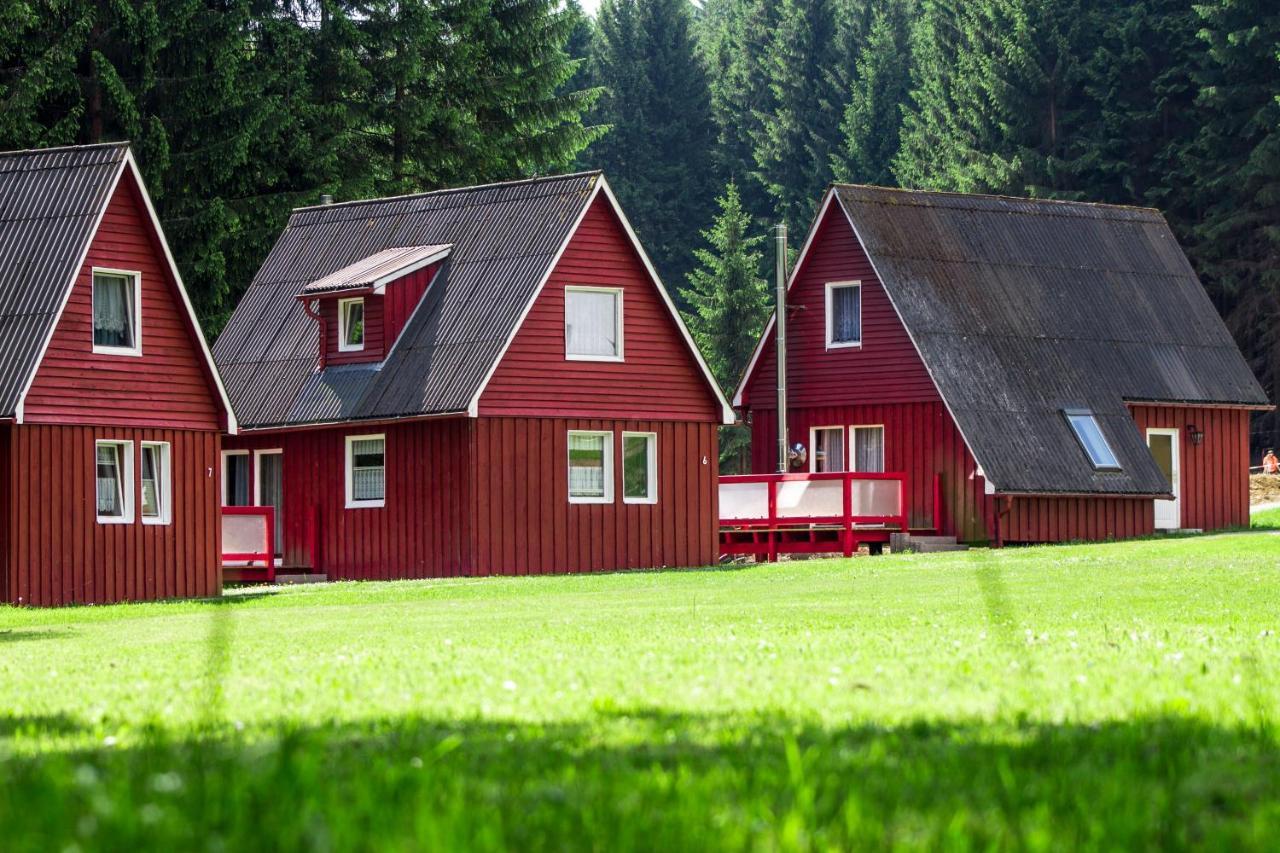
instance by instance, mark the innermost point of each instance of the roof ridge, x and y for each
(124, 143)
(447, 190)
(1000, 197)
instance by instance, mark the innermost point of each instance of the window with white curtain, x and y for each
(351, 324)
(590, 467)
(113, 468)
(867, 448)
(366, 470)
(156, 483)
(827, 445)
(593, 323)
(639, 467)
(116, 315)
(844, 314)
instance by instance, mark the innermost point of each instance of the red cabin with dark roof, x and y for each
(488, 380)
(1038, 371)
(111, 410)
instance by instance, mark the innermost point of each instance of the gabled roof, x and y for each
(1022, 308)
(378, 269)
(52, 201)
(505, 238)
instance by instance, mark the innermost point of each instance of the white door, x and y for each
(1164, 447)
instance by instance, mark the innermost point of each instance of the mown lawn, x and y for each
(1266, 519)
(1109, 696)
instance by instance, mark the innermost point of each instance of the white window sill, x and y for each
(366, 504)
(640, 501)
(114, 519)
(133, 352)
(846, 345)
(616, 359)
(157, 522)
(350, 349)
(583, 500)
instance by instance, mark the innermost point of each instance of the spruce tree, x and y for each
(728, 304)
(873, 118)
(658, 154)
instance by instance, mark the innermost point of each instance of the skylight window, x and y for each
(1091, 439)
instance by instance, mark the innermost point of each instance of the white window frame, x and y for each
(164, 484)
(851, 457)
(223, 473)
(349, 472)
(128, 473)
(618, 301)
(813, 446)
(136, 276)
(652, 463)
(608, 496)
(1114, 464)
(257, 469)
(830, 289)
(343, 346)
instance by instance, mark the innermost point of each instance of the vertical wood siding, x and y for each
(1215, 474)
(885, 369)
(920, 440)
(424, 529)
(57, 552)
(169, 385)
(659, 378)
(1053, 519)
(526, 525)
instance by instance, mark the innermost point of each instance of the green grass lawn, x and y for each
(1106, 696)
(1267, 519)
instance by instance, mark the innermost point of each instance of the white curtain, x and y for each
(828, 450)
(586, 466)
(112, 311)
(110, 496)
(368, 470)
(151, 468)
(868, 449)
(846, 314)
(591, 322)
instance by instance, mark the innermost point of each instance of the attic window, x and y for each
(351, 324)
(844, 314)
(593, 323)
(117, 317)
(1091, 439)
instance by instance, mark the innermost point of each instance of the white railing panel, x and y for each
(810, 498)
(744, 500)
(244, 534)
(876, 497)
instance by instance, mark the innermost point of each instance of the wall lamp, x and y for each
(1196, 434)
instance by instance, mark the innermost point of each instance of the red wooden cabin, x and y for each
(474, 381)
(1041, 371)
(111, 410)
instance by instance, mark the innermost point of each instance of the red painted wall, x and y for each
(920, 440)
(422, 531)
(385, 316)
(169, 385)
(526, 525)
(887, 367)
(1051, 519)
(1215, 474)
(56, 552)
(401, 300)
(659, 378)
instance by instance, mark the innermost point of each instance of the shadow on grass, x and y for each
(19, 635)
(644, 778)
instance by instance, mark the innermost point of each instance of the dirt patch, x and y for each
(1264, 488)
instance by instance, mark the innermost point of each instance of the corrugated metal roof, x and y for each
(1021, 308)
(377, 269)
(504, 238)
(50, 202)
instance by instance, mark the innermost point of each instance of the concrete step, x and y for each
(903, 543)
(937, 547)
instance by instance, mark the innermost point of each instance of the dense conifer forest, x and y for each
(712, 121)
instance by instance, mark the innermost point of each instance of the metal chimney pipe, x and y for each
(780, 271)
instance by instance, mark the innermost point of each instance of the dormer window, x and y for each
(117, 312)
(1094, 443)
(593, 323)
(844, 314)
(351, 324)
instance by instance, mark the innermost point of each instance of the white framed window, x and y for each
(117, 312)
(157, 483)
(351, 324)
(826, 446)
(844, 314)
(1089, 433)
(113, 473)
(236, 478)
(593, 323)
(268, 487)
(590, 467)
(866, 448)
(366, 471)
(640, 467)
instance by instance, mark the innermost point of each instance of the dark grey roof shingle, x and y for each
(1021, 308)
(504, 237)
(50, 201)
